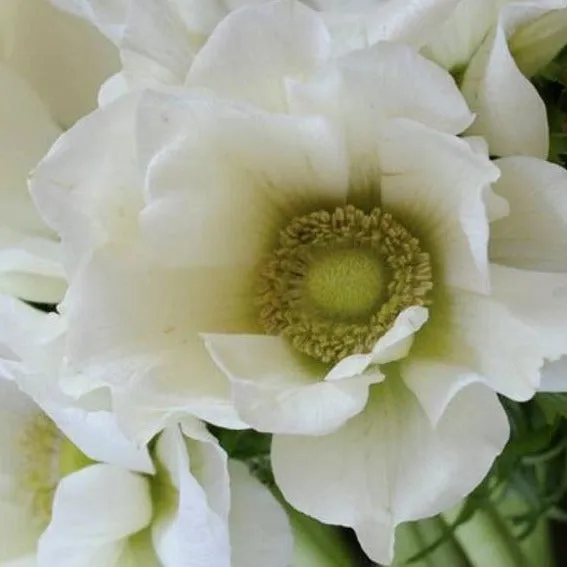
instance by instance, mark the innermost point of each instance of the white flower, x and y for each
(75, 492)
(372, 345)
(51, 66)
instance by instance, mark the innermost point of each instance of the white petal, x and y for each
(540, 300)
(393, 345)
(436, 383)
(63, 58)
(95, 511)
(87, 187)
(97, 435)
(396, 343)
(534, 234)
(223, 180)
(275, 389)
(188, 531)
(454, 43)
(157, 47)
(132, 328)
(27, 259)
(254, 49)
(389, 464)
(30, 266)
(413, 21)
(485, 337)
(510, 113)
(434, 184)
(364, 88)
(260, 534)
(554, 376)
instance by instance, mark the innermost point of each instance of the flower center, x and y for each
(337, 281)
(48, 456)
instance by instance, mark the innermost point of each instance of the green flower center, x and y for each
(338, 280)
(345, 283)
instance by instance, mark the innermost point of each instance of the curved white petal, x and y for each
(485, 337)
(409, 21)
(389, 464)
(540, 300)
(275, 389)
(510, 113)
(87, 187)
(189, 530)
(97, 435)
(133, 326)
(361, 90)
(95, 511)
(455, 41)
(534, 235)
(260, 533)
(435, 383)
(435, 184)
(64, 59)
(397, 342)
(222, 180)
(252, 51)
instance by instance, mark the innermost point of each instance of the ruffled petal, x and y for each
(486, 337)
(534, 235)
(222, 180)
(275, 389)
(364, 88)
(87, 187)
(390, 464)
(293, 40)
(131, 327)
(435, 184)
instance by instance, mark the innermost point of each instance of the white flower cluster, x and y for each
(331, 221)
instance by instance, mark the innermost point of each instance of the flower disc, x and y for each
(338, 280)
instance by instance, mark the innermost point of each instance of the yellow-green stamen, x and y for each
(338, 280)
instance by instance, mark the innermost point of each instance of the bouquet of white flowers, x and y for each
(283, 283)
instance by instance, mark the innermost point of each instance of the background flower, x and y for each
(51, 66)
(61, 507)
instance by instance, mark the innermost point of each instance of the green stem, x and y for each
(487, 539)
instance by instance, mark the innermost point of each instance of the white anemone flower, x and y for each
(51, 67)
(347, 267)
(76, 492)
